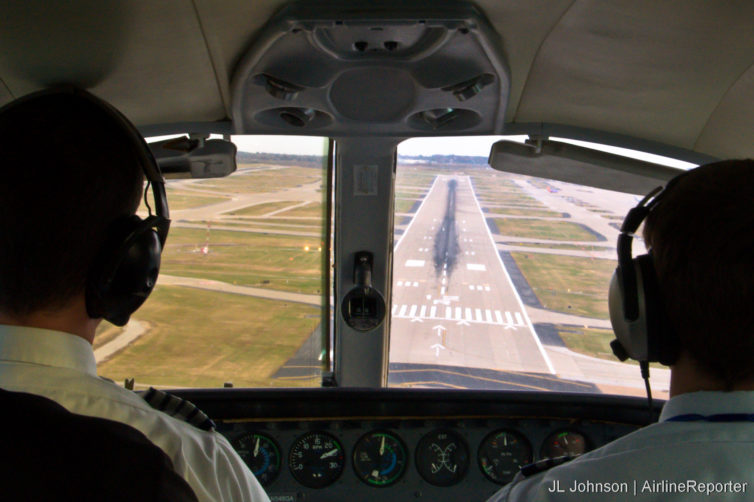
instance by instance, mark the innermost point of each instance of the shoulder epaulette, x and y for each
(178, 408)
(545, 464)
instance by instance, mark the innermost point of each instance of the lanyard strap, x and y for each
(722, 417)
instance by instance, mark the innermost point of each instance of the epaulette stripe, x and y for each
(191, 415)
(178, 408)
(165, 400)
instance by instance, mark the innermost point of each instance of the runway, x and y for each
(453, 302)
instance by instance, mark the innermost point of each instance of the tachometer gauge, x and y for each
(261, 454)
(316, 459)
(379, 458)
(564, 442)
(502, 453)
(442, 458)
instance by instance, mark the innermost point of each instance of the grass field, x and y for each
(246, 258)
(265, 180)
(188, 200)
(593, 342)
(264, 208)
(203, 339)
(404, 205)
(572, 247)
(310, 209)
(568, 284)
(519, 211)
(544, 229)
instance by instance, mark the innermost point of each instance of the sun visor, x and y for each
(560, 161)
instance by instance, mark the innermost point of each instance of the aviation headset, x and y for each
(639, 320)
(125, 269)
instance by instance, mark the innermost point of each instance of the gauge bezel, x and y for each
(397, 439)
(587, 441)
(270, 440)
(465, 467)
(308, 481)
(519, 436)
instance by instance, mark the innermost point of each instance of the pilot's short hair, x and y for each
(701, 237)
(67, 172)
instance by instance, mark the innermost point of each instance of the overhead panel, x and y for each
(349, 69)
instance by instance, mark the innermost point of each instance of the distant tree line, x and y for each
(317, 160)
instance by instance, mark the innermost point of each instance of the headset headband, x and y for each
(626, 268)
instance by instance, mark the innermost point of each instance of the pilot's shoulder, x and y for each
(180, 409)
(528, 481)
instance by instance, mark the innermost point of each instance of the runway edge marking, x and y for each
(510, 281)
(395, 249)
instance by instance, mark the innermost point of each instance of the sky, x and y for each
(461, 145)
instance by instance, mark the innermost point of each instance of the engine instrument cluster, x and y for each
(323, 445)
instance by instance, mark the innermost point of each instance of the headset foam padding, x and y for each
(125, 270)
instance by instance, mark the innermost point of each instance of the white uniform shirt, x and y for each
(666, 461)
(61, 367)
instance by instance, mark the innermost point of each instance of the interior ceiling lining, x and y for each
(640, 72)
(151, 60)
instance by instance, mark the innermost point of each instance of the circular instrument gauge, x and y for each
(261, 454)
(316, 459)
(564, 442)
(442, 458)
(502, 453)
(379, 458)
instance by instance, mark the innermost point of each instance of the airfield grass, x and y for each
(182, 200)
(105, 333)
(544, 229)
(568, 284)
(263, 208)
(593, 342)
(310, 209)
(265, 180)
(203, 339)
(570, 247)
(260, 224)
(404, 205)
(246, 258)
(519, 211)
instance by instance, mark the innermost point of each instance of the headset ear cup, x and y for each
(125, 272)
(632, 334)
(662, 342)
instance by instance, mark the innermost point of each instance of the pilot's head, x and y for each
(702, 240)
(67, 172)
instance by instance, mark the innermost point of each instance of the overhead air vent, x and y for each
(388, 68)
(294, 118)
(278, 88)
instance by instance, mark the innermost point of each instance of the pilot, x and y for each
(72, 252)
(694, 314)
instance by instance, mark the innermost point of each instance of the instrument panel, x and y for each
(393, 444)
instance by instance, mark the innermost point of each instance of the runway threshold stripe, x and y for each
(478, 314)
(498, 317)
(467, 311)
(519, 319)
(423, 311)
(488, 315)
(412, 312)
(432, 312)
(403, 310)
(508, 318)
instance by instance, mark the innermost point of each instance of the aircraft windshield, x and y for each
(240, 294)
(500, 281)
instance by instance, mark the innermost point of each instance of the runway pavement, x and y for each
(452, 301)
(458, 307)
